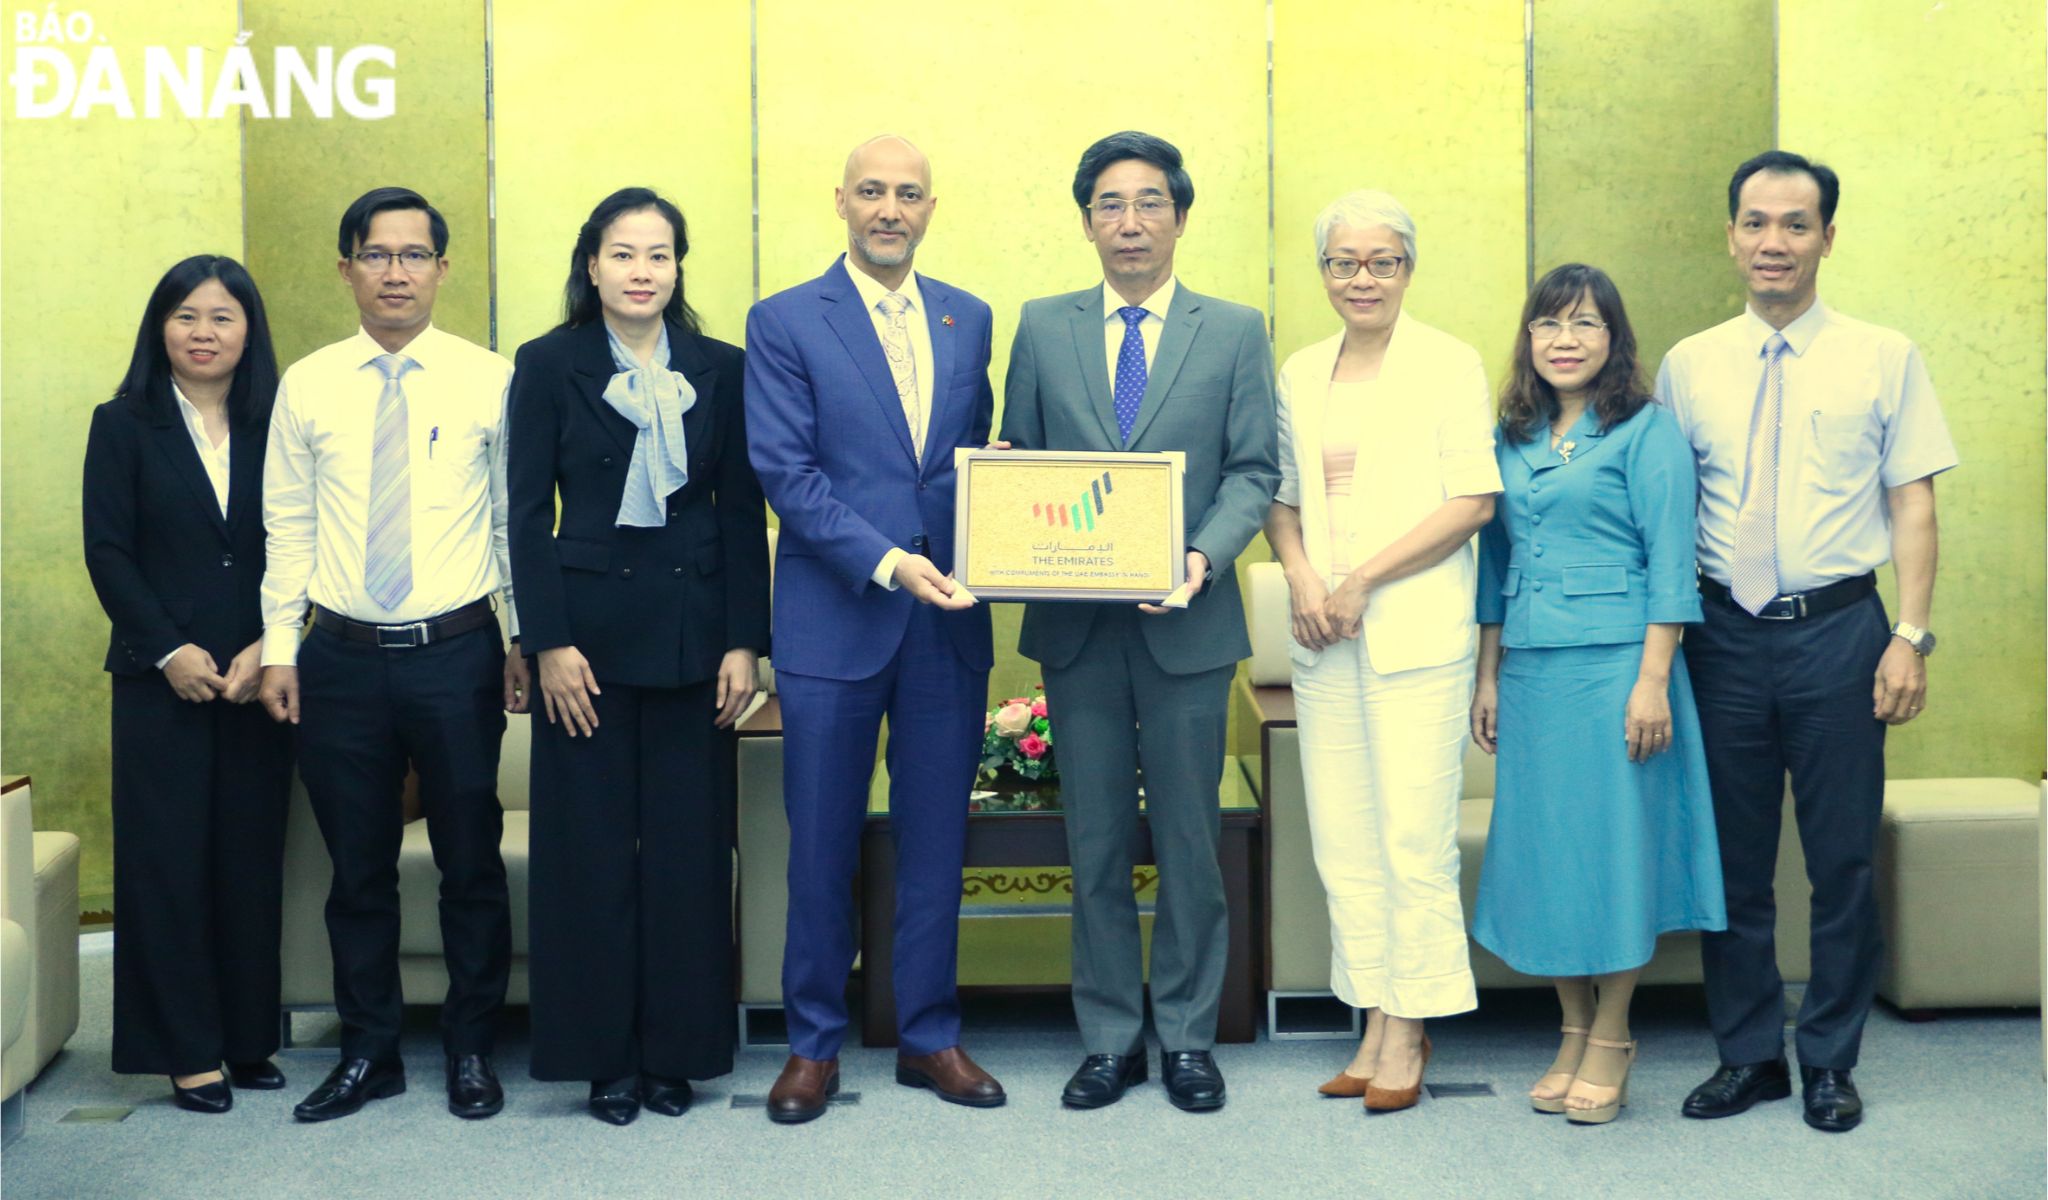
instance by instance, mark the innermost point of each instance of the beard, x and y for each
(886, 258)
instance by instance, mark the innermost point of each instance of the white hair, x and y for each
(1365, 210)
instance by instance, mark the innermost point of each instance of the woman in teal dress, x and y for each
(1603, 827)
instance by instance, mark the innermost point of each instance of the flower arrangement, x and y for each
(1017, 737)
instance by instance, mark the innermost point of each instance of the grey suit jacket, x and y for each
(1209, 395)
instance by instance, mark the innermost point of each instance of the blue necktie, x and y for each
(1130, 372)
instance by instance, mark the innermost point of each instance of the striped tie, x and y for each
(387, 566)
(1753, 579)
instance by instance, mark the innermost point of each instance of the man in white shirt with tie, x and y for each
(384, 501)
(1818, 438)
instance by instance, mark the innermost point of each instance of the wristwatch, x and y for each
(1921, 640)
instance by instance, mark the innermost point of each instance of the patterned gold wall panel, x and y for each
(673, 115)
(1633, 149)
(96, 209)
(1423, 99)
(1932, 114)
(1004, 99)
(304, 171)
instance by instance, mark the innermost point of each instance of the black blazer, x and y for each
(647, 607)
(167, 567)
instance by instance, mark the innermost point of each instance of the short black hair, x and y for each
(1784, 162)
(147, 385)
(1123, 147)
(355, 223)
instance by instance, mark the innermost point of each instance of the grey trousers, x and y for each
(1113, 710)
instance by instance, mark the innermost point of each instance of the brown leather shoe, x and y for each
(952, 1075)
(1345, 1086)
(802, 1090)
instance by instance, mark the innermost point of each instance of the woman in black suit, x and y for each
(173, 507)
(646, 612)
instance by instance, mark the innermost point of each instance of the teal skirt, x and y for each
(1591, 856)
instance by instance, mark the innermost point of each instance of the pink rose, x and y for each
(1038, 707)
(1032, 745)
(1013, 719)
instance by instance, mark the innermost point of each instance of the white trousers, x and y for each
(1383, 758)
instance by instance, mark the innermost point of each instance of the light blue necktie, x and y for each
(387, 565)
(1753, 578)
(1130, 372)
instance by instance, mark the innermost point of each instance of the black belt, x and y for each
(411, 635)
(1797, 605)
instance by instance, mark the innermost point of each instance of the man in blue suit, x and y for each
(860, 384)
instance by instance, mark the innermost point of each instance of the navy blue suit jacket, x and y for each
(834, 456)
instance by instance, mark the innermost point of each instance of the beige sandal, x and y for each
(1606, 1112)
(1555, 1104)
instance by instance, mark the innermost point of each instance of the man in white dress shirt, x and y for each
(1818, 438)
(384, 502)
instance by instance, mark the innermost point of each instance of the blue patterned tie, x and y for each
(1753, 577)
(387, 564)
(1130, 372)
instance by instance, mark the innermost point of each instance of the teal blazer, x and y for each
(1588, 552)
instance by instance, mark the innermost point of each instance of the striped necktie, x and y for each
(1753, 579)
(387, 563)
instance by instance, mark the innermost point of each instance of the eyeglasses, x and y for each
(415, 262)
(1384, 267)
(1148, 208)
(1544, 329)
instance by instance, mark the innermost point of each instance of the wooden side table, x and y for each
(1004, 837)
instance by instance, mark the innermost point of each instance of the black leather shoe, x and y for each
(1832, 1105)
(259, 1076)
(669, 1097)
(473, 1088)
(1103, 1078)
(615, 1101)
(1192, 1081)
(1732, 1090)
(211, 1098)
(352, 1083)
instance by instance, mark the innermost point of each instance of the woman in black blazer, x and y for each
(173, 507)
(646, 612)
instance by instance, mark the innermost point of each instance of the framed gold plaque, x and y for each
(1069, 525)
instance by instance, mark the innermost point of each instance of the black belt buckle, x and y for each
(404, 637)
(1794, 608)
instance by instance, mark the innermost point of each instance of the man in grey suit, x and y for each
(1140, 363)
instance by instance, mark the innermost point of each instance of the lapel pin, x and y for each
(947, 321)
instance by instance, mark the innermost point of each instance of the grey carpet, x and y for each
(1956, 1109)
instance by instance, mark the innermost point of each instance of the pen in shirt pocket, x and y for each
(433, 435)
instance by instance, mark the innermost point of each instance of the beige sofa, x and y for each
(38, 942)
(1959, 867)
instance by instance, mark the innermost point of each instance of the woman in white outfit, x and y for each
(1386, 454)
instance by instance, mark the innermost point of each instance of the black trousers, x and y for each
(631, 908)
(1773, 696)
(364, 714)
(199, 809)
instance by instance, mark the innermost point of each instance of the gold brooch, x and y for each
(1565, 451)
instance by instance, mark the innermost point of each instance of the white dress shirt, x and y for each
(213, 458)
(1156, 306)
(871, 293)
(316, 485)
(1859, 416)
